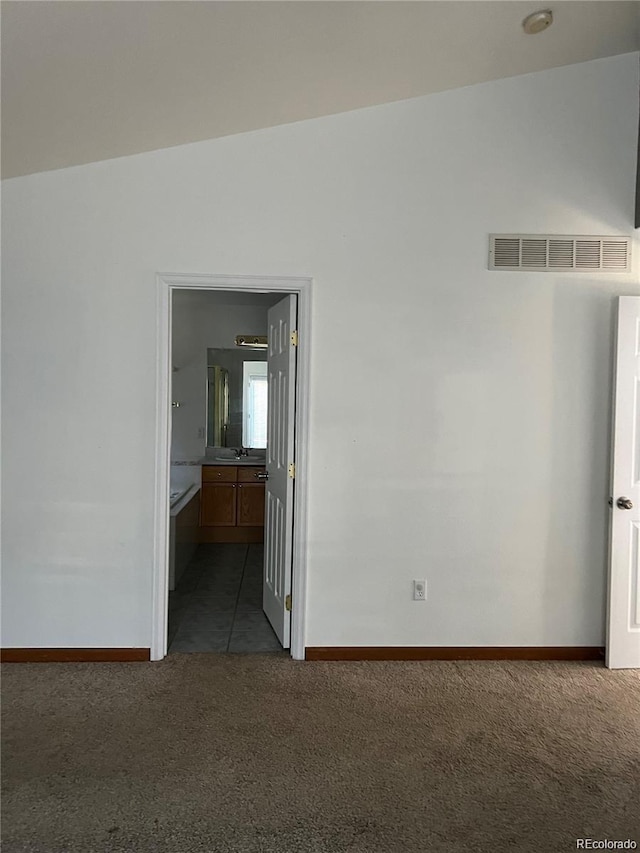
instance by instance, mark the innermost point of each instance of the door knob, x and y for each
(624, 503)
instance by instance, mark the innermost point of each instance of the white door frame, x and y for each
(166, 284)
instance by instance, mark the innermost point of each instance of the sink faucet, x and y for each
(240, 452)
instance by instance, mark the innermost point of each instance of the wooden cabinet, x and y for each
(218, 504)
(250, 504)
(218, 507)
(232, 505)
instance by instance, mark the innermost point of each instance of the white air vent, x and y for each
(551, 253)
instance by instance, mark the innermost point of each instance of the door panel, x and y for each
(623, 640)
(281, 356)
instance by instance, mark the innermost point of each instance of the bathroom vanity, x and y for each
(232, 503)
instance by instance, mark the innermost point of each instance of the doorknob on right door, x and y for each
(624, 503)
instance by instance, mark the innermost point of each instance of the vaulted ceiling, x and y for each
(87, 81)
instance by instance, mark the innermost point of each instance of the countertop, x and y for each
(243, 463)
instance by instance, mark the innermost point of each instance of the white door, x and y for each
(276, 589)
(623, 632)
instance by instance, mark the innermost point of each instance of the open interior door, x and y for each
(623, 630)
(281, 357)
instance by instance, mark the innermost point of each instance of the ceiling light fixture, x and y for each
(537, 22)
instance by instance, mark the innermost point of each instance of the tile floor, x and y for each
(217, 604)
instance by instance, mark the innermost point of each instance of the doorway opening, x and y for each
(231, 513)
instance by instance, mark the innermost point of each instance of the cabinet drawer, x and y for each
(249, 475)
(219, 473)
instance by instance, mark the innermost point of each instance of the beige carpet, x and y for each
(262, 754)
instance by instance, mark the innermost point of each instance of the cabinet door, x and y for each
(218, 507)
(250, 504)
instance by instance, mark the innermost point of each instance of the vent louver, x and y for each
(550, 253)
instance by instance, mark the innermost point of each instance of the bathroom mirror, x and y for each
(236, 398)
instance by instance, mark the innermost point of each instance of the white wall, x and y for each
(467, 443)
(188, 421)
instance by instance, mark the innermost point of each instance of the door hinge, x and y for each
(292, 470)
(294, 339)
(287, 602)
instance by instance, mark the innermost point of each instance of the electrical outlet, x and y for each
(419, 590)
(200, 432)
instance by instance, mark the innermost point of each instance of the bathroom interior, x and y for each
(217, 484)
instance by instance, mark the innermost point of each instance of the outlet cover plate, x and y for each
(419, 590)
